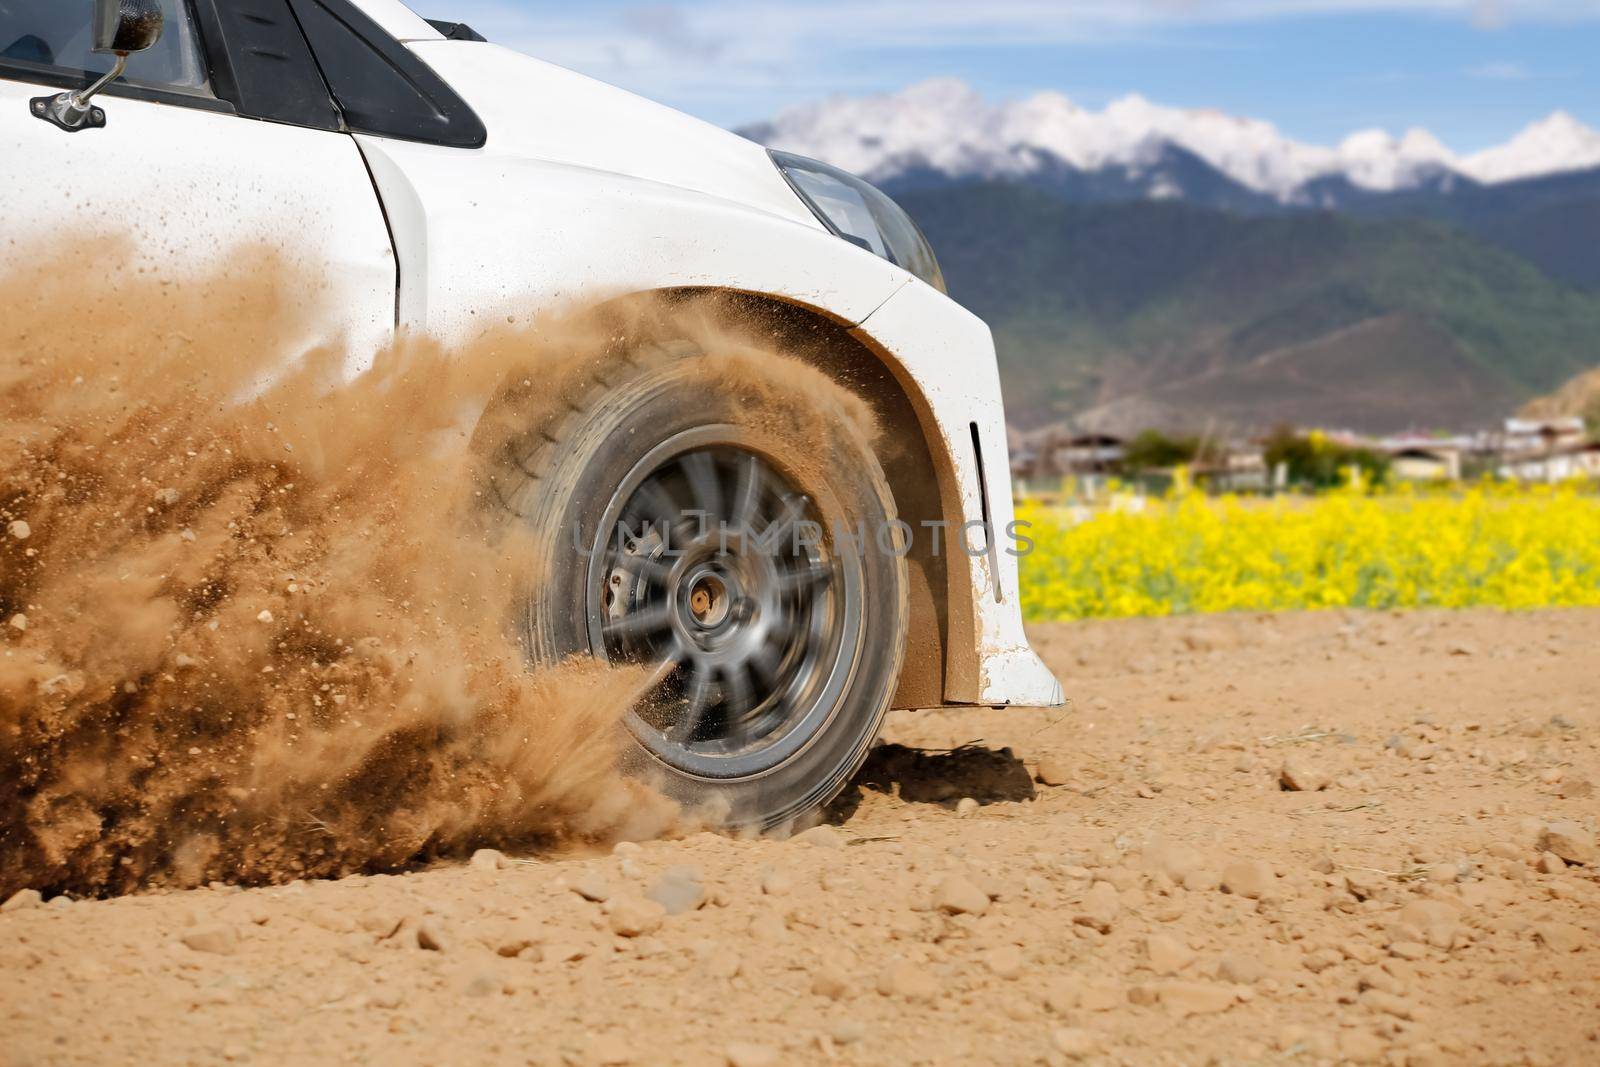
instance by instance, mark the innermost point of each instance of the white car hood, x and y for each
(534, 110)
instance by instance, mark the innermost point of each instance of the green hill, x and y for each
(1140, 313)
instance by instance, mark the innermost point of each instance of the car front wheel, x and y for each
(722, 517)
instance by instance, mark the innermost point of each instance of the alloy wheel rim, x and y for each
(713, 566)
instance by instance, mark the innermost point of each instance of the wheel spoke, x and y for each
(650, 620)
(773, 538)
(738, 692)
(656, 506)
(747, 497)
(707, 489)
(695, 706)
(814, 576)
(764, 662)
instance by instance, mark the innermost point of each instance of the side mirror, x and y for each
(125, 26)
(121, 27)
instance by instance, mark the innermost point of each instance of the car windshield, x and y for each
(54, 35)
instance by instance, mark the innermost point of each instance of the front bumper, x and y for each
(944, 355)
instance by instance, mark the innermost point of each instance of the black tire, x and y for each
(758, 741)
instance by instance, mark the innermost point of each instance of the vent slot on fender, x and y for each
(990, 534)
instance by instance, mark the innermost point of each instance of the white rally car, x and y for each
(430, 178)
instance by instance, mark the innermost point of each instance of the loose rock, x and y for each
(1569, 840)
(1299, 774)
(1099, 908)
(1248, 878)
(1052, 772)
(1167, 955)
(820, 837)
(488, 859)
(958, 896)
(1075, 1043)
(908, 980)
(21, 899)
(219, 940)
(631, 916)
(679, 890)
(743, 1054)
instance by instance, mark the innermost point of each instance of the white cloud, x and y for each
(717, 50)
(1500, 71)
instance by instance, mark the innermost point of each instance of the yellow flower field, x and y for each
(1494, 545)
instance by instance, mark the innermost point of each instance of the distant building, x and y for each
(1424, 464)
(1242, 468)
(1580, 460)
(1542, 435)
(1094, 453)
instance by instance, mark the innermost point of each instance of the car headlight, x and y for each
(862, 214)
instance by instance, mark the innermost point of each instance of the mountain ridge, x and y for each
(946, 127)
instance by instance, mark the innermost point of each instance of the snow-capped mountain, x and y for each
(947, 128)
(1558, 143)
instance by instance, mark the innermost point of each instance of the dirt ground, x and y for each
(1126, 881)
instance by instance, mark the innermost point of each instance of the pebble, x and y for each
(219, 940)
(680, 889)
(1248, 878)
(724, 964)
(1569, 840)
(908, 980)
(22, 899)
(19, 622)
(832, 982)
(518, 939)
(1240, 969)
(1560, 937)
(431, 935)
(776, 882)
(966, 807)
(1052, 772)
(592, 886)
(610, 1050)
(745, 1054)
(820, 837)
(1194, 998)
(956, 895)
(1099, 908)
(1298, 774)
(1388, 1004)
(1167, 955)
(1076, 1043)
(1577, 787)
(631, 916)
(1070, 992)
(1174, 859)
(1361, 1046)
(20, 529)
(482, 984)
(488, 859)
(847, 1031)
(1004, 962)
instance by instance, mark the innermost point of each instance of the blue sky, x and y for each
(1472, 71)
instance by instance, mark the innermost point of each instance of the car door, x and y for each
(220, 140)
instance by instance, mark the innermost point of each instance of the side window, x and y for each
(379, 85)
(52, 37)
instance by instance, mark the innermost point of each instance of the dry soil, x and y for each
(1309, 839)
